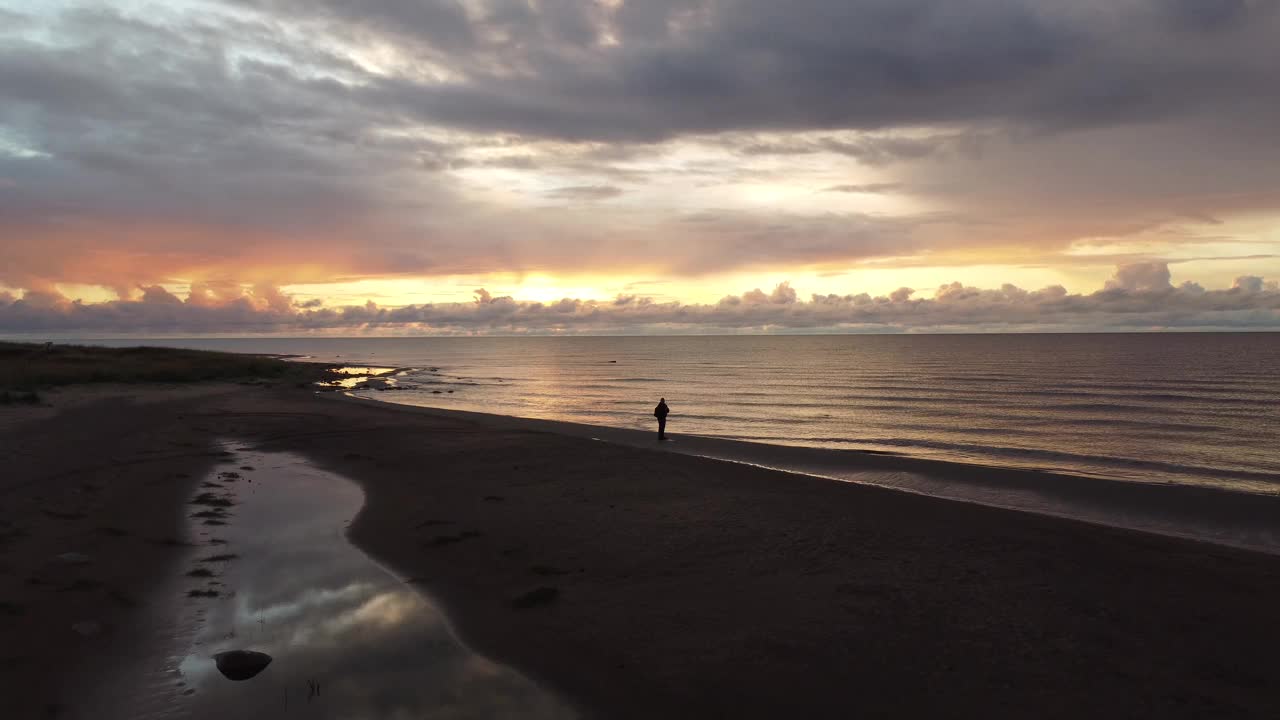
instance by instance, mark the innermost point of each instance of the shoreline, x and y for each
(1221, 516)
(781, 594)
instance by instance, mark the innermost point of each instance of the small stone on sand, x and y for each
(535, 598)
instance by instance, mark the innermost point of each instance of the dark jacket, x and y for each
(661, 411)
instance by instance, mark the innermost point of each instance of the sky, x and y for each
(638, 166)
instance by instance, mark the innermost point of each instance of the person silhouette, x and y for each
(660, 412)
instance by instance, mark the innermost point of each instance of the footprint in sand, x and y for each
(441, 540)
(64, 515)
(432, 523)
(12, 609)
(538, 597)
(223, 557)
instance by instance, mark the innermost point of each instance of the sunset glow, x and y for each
(408, 154)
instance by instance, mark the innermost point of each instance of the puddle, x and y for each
(347, 638)
(358, 376)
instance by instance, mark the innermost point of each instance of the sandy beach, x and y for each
(338, 339)
(684, 586)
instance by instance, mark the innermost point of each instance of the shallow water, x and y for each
(349, 639)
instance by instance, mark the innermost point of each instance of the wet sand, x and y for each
(1218, 515)
(675, 586)
(105, 476)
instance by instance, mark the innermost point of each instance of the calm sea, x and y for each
(1196, 409)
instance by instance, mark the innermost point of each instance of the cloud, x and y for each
(867, 189)
(901, 295)
(285, 141)
(585, 192)
(1248, 284)
(783, 294)
(1130, 302)
(1141, 277)
(874, 149)
(698, 67)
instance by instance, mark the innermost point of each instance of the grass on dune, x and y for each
(26, 368)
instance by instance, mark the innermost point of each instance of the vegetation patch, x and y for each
(28, 367)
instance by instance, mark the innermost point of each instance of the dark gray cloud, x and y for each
(705, 67)
(754, 64)
(430, 24)
(1199, 16)
(1135, 300)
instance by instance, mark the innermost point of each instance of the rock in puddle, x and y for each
(241, 664)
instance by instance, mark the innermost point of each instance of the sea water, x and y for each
(1185, 409)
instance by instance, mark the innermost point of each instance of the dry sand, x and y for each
(685, 587)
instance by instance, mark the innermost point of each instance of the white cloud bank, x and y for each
(1139, 297)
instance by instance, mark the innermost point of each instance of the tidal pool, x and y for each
(347, 638)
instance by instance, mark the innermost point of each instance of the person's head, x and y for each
(662, 399)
